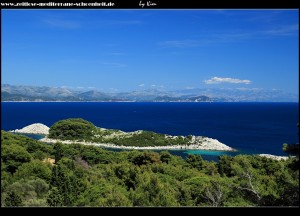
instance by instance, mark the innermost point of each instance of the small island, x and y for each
(80, 131)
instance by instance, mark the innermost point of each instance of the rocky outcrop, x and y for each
(274, 157)
(36, 128)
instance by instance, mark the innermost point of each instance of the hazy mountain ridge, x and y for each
(242, 94)
(38, 93)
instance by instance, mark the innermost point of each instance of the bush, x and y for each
(72, 129)
(34, 168)
(13, 156)
(146, 158)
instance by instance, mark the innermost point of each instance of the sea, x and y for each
(251, 128)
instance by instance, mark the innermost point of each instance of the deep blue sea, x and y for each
(251, 128)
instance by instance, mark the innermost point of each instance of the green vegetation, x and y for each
(292, 148)
(91, 176)
(148, 138)
(72, 129)
(82, 130)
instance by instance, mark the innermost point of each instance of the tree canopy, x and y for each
(72, 129)
(91, 176)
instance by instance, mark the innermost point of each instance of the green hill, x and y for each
(72, 129)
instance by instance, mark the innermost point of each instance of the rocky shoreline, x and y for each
(196, 143)
(207, 144)
(275, 157)
(36, 128)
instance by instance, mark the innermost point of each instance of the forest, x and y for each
(38, 174)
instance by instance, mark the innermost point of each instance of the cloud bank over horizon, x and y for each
(218, 80)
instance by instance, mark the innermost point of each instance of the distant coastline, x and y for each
(59, 94)
(297, 102)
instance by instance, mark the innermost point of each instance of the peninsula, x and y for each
(79, 131)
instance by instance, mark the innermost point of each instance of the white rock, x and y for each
(274, 157)
(36, 128)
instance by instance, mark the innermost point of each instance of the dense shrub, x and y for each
(92, 176)
(72, 129)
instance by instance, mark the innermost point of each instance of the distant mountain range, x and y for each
(37, 93)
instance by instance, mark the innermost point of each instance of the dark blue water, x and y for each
(249, 127)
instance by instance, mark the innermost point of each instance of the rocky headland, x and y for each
(36, 128)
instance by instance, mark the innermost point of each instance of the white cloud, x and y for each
(249, 89)
(153, 85)
(218, 80)
(141, 85)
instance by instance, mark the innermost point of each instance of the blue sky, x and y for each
(125, 50)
